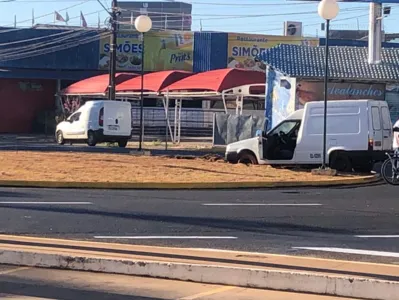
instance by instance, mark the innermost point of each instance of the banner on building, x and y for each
(243, 48)
(168, 50)
(307, 91)
(284, 94)
(165, 50)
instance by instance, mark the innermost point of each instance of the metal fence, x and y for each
(195, 122)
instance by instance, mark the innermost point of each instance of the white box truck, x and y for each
(97, 122)
(359, 133)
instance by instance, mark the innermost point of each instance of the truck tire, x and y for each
(91, 139)
(122, 143)
(364, 167)
(341, 162)
(60, 138)
(247, 158)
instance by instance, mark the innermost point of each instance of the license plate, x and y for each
(113, 127)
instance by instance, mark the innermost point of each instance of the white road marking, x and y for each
(46, 203)
(350, 251)
(14, 270)
(262, 204)
(209, 293)
(18, 297)
(378, 236)
(155, 237)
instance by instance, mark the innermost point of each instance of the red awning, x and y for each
(96, 84)
(153, 82)
(218, 80)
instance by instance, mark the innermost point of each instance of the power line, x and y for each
(47, 50)
(224, 16)
(103, 6)
(34, 39)
(37, 46)
(190, 2)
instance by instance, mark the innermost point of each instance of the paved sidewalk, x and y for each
(18, 283)
(203, 257)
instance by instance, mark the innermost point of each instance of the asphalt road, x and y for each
(276, 221)
(34, 284)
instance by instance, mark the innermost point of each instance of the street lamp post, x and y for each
(328, 10)
(143, 24)
(112, 64)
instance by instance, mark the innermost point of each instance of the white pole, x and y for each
(375, 32)
(175, 122)
(378, 35)
(179, 132)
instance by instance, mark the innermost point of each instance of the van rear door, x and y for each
(376, 133)
(117, 118)
(387, 137)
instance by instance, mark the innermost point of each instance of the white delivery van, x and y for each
(97, 122)
(359, 133)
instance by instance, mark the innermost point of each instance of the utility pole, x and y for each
(112, 65)
(375, 32)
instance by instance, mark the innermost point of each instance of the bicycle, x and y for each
(390, 169)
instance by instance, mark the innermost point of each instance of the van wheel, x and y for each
(91, 139)
(341, 162)
(122, 143)
(365, 167)
(247, 158)
(60, 138)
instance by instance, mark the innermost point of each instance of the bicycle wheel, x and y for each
(389, 173)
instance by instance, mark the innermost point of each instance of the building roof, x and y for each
(153, 82)
(95, 85)
(349, 63)
(218, 80)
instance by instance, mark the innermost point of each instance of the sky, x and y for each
(250, 16)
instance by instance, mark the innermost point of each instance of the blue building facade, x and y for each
(49, 53)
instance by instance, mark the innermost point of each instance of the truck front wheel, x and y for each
(247, 158)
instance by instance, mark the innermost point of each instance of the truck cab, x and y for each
(359, 132)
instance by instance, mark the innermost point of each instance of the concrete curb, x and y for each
(243, 277)
(188, 186)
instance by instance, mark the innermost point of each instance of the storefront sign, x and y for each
(314, 91)
(128, 55)
(169, 51)
(243, 48)
(162, 51)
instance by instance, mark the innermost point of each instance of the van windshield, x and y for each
(285, 127)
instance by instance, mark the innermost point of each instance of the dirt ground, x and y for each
(89, 167)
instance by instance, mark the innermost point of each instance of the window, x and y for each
(375, 113)
(386, 118)
(74, 117)
(285, 127)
